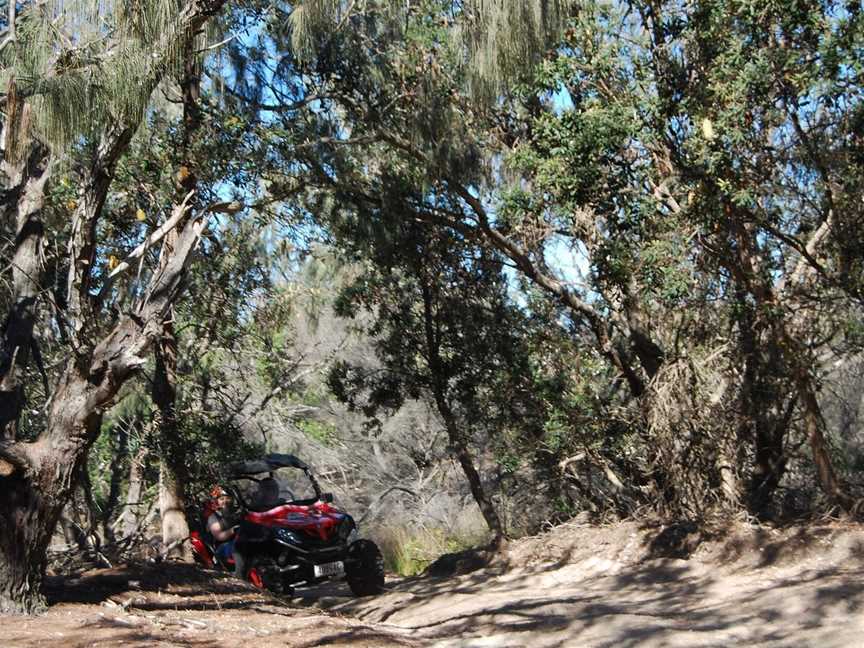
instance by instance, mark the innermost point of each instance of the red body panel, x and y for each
(200, 548)
(255, 578)
(320, 519)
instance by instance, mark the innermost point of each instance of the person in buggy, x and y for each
(219, 524)
(281, 541)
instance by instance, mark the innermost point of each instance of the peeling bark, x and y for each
(24, 202)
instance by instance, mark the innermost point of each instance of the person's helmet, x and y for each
(217, 491)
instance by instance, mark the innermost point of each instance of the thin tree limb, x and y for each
(157, 235)
(10, 19)
(378, 499)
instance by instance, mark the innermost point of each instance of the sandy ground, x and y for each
(621, 585)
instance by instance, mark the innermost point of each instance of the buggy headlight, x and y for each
(285, 536)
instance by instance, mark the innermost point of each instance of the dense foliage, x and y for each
(606, 255)
(695, 163)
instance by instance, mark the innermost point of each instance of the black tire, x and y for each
(364, 569)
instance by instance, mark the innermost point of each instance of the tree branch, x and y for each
(82, 242)
(807, 252)
(10, 19)
(157, 235)
(555, 287)
(13, 458)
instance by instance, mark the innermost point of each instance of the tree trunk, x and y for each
(27, 180)
(89, 513)
(751, 276)
(132, 510)
(71, 533)
(769, 455)
(760, 422)
(813, 425)
(463, 454)
(119, 457)
(650, 354)
(43, 473)
(79, 518)
(456, 435)
(172, 471)
(33, 497)
(28, 520)
(728, 462)
(477, 490)
(172, 509)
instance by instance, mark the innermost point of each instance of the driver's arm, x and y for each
(220, 534)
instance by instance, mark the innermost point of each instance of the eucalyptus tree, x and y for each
(172, 502)
(70, 104)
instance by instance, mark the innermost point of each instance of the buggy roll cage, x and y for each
(270, 464)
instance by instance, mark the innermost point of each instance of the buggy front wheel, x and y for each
(364, 569)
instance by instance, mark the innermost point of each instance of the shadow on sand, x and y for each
(740, 596)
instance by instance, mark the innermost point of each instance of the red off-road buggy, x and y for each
(289, 532)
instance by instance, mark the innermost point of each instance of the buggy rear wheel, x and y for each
(364, 569)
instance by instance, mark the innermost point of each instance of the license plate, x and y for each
(330, 569)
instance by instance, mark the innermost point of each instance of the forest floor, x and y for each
(620, 585)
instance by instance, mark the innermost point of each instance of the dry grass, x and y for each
(409, 551)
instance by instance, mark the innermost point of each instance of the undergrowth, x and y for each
(409, 551)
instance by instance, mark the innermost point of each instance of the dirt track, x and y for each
(801, 588)
(576, 586)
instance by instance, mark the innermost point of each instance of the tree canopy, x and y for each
(610, 249)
